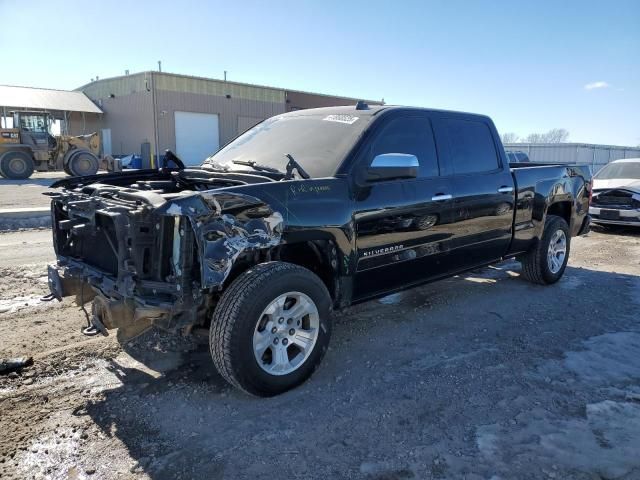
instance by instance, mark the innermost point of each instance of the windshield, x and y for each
(620, 170)
(318, 142)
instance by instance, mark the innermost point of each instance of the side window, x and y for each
(411, 135)
(471, 145)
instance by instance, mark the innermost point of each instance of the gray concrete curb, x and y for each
(16, 218)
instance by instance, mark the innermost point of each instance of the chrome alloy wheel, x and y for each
(286, 333)
(557, 251)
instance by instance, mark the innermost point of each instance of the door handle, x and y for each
(505, 189)
(440, 197)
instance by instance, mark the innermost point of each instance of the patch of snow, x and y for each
(606, 442)
(18, 303)
(393, 299)
(607, 359)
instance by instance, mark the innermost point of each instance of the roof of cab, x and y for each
(372, 110)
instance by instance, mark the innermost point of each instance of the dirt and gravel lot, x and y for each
(482, 376)
(28, 193)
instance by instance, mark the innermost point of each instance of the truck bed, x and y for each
(537, 187)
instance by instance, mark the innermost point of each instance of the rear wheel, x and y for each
(65, 167)
(16, 165)
(82, 163)
(271, 328)
(545, 264)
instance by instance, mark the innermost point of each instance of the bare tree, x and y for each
(534, 138)
(555, 135)
(510, 137)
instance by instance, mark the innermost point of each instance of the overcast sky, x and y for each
(531, 66)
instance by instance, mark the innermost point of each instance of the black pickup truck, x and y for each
(306, 212)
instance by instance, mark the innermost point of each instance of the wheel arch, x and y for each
(562, 209)
(318, 256)
(20, 148)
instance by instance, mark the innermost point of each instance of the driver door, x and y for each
(403, 226)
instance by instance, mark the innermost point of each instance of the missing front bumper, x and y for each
(132, 316)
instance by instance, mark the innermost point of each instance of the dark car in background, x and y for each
(517, 156)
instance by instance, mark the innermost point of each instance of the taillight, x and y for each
(590, 192)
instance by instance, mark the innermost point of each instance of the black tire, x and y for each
(16, 165)
(535, 265)
(238, 313)
(65, 161)
(82, 163)
(65, 167)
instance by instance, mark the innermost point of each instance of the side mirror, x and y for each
(388, 166)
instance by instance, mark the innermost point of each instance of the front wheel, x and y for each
(82, 163)
(545, 264)
(271, 328)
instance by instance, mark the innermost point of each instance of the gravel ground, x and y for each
(482, 376)
(28, 193)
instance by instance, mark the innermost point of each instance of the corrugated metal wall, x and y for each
(228, 110)
(128, 110)
(79, 124)
(302, 100)
(205, 86)
(596, 156)
(117, 86)
(130, 118)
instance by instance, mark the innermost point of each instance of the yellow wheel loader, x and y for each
(30, 146)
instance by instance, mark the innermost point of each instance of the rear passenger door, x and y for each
(483, 189)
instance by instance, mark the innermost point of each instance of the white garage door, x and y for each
(197, 136)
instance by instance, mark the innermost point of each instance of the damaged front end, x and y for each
(148, 258)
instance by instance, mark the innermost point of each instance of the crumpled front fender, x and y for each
(226, 225)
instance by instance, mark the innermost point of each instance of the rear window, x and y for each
(471, 145)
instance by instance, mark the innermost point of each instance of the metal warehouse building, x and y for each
(192, 116)
(593, 155)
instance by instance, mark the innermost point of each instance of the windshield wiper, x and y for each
(256, 166)
(293, 164)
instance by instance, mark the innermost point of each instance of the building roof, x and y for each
(46, 99)
(217, 80)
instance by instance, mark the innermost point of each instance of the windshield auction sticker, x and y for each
(344, 118)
